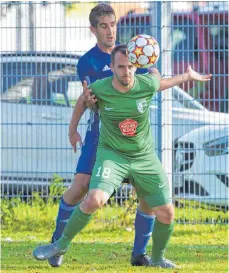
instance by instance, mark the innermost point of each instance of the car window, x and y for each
(37, 82)
(185, 100)
(175, 103)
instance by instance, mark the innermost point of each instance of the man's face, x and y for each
(123, 70)
(105, 31)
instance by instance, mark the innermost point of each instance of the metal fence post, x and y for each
(159, 65)
(31, 26)
(18, 26)
(165, 103)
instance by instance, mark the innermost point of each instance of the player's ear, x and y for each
(93, 30)
(112, 67)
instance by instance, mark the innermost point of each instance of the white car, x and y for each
(36, 89)
(187, 115)
(36, 92)
(201, 165)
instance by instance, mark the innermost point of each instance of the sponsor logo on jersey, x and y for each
(128, 127)
(108, 108)
(87, 79)
(106, 67)
(161, 186)
(141, 105)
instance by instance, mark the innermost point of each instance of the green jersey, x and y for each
(125, 125)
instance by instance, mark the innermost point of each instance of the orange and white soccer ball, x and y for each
(143, 51)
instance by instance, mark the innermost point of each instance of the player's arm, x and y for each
(83, 67)
(85, 100)
(78, 111)
(79, 107)
(189, 75)
(89, 98)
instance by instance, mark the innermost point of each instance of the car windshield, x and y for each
(39, 80)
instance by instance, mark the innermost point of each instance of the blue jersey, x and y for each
(92, 66)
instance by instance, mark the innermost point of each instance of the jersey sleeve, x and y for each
(83, 67)
(142, 71)
(153, 82)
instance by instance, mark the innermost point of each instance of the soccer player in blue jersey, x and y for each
(93, 65)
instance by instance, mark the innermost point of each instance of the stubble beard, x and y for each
(109, 45)
(124, 83)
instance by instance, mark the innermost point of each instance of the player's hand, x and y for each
(87, 95)
(194, 76)
(74, 137)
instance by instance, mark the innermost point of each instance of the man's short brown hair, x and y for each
(98, 11)
(119, 48)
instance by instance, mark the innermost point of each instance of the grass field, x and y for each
(106, 243)
(196, 248)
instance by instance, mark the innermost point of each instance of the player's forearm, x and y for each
(78, 111)
(170, 82)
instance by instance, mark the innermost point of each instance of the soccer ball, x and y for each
(143, 51)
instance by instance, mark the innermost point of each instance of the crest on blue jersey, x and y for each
(87, 79)
(141, 105)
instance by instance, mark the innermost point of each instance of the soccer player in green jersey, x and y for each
(125, 151)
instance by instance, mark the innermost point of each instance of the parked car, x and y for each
(36, 108)
(37, 94)
(199, 38)
(187, 114)
(201, 165)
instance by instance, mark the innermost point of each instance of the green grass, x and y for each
(105, 244)
(196, 248)
(16, 215)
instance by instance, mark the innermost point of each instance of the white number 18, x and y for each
(105, 173)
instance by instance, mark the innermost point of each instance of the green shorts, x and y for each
(145, 173)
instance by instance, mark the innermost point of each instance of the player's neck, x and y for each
(105, 49)
(120, 87)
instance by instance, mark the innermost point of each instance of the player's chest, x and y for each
(121, 107)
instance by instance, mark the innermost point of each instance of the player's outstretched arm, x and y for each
(189, 75)
(89, 98)
(194, 76)
(78, 111)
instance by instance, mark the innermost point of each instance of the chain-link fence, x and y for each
(41, 43)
